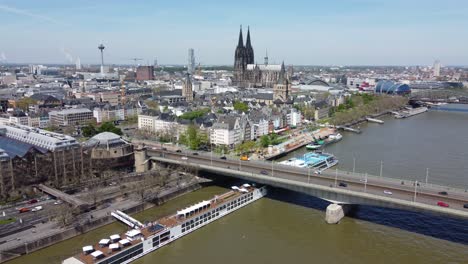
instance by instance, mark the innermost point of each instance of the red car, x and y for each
(32, 201)
(24, 210)
(442, 204)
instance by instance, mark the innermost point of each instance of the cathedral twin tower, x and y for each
(244, 55)
(249, 74)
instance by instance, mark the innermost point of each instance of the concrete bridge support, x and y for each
(334, 214)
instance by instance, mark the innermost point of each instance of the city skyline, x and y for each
(301, 33)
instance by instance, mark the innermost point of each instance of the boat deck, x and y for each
(164, 223)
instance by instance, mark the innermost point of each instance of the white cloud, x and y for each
(21, 12)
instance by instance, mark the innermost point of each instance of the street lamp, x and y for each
(272, 171)
(427, 174)
(336, 176)
(415, 190)
(354, 164)
(381, 166)
(365, 183)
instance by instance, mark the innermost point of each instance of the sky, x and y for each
(298, 32)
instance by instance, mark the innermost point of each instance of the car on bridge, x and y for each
(223, 158)
(24, 210)
(442, 204)
(184, 158)
(465, 206)
(342, 184)
(443, 193)
(264, 172)
(387, 192)
(195, 154)
(178, 151)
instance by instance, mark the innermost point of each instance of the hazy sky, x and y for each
(306, 32)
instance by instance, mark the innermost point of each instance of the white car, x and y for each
(37, 208)
(57, 202)
(387, 192)
(184, 158)
(363, 180)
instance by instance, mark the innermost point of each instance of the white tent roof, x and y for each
(235, 188)
(193, 207)
(124, 241)
(243, 190)
(115, 237)
(114, 246)
(133, 232)
(88, 248)
(96, 253)
(104, 241)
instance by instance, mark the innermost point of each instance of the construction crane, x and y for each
(135, 61)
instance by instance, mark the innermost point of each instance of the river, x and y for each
(288, 227)
(435, 142)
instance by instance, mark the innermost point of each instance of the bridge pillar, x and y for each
(141, 165)
(334, 214)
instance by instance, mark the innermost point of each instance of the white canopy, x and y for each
(246, 185)
(114, 237)
(132, 233)
(243, 190)
(114, 246)
(235, 188)
(193, 207)
(104, 241)
(97, 253)
(88, 248)
(124, 242)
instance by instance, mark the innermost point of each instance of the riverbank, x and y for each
(98, 222)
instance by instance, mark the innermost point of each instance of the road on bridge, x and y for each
(392, 188)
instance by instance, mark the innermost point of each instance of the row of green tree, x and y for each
(91, 130)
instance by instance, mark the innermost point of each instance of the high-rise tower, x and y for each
(191, 61)
(436, 68)
(101, 48)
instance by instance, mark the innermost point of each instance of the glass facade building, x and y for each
(390, 87)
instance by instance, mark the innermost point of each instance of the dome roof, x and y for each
(106, 140)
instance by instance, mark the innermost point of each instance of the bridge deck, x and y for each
(62, 196)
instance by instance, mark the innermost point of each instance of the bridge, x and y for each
(75, 201)
(337, 187)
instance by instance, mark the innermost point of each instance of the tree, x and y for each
(241, 106)
(88, 131)
(109, 127)
(25, 102)
(152, 104)
(245, 147)
(265, 141)
(195, 114)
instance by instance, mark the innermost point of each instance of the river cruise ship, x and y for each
(143, 239)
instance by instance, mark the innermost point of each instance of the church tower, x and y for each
(240, 63)
(249, 52)
(187, 90)
(282, 87)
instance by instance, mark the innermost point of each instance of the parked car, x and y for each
(59, 202)
(37, 208)
(24, 210)
(443, 193)
(223, 157)
(33, 201)
(442, 204)
(195, 154)
(387, 192)
(342, 184)
(184, 158)
(264, 172)
(178, 151)
(465, 206)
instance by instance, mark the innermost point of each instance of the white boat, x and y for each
(138, 242)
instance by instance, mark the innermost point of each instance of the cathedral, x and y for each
(249, 74)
